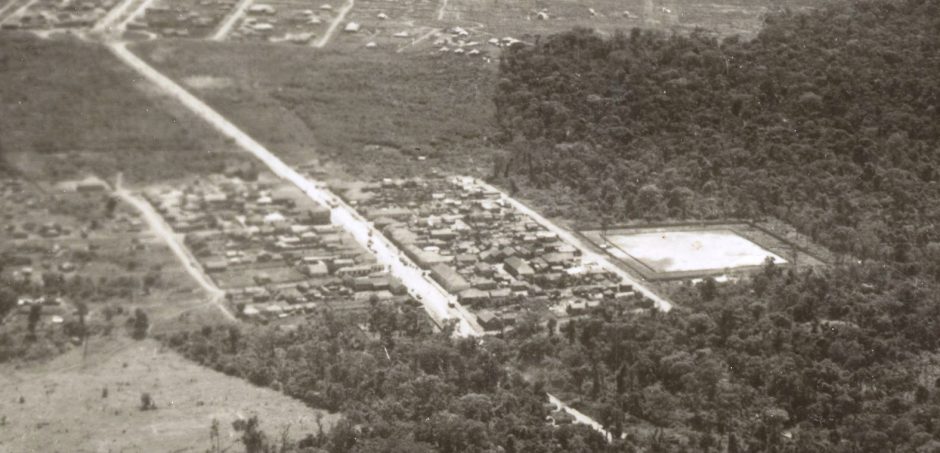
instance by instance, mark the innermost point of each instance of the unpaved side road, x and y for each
(19, 11)
(580, 417)
(164, 232)
(334, 25)
(586, 251)
(222, 32)
(107, 23)
(3, 9)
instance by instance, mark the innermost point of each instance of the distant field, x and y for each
(68, 105)
(373, 116)
(64, 410)
(525, 19)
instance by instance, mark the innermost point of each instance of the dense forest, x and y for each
(786, 361)
(400, 388)
(827, 121)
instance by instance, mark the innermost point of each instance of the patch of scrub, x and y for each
(680, 251)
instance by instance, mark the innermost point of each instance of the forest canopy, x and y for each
(826, 120)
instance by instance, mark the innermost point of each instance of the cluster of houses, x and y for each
(473, 243)
(457, 40)
(41, 243)
(183, 19)
(46, 14)
(272, 250)
(295, 24)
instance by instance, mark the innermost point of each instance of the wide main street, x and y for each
(436, 301)
(441, 306)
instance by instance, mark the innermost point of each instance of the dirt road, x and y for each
(222, 32)
(106, 24)
(580, 417)
(436, 301)
(137, 12)
(586, 251)
(334, 25)
(8, 6)
(440, 305)
(19, 11)
(164, 232)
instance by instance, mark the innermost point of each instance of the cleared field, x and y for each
(683, 251)
(68, 106)
(372, 116)
(64, 408)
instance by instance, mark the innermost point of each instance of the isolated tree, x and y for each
(82, 313)
(140, 324)
(35, 312)
(215, 442)
(252, 437)
(708, 289)
(7, 300)
(109, 206)
(146, 402)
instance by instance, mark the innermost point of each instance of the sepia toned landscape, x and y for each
(473, 226)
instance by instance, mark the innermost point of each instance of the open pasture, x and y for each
(91, 402)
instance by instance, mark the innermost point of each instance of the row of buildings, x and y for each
(271, 249)
(47, 14)
(184, 19)
(499, 261)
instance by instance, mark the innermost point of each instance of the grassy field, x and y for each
(373, 116)
(63, 408)
(68, 106)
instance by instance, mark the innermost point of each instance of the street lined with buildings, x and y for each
(434, 299)
(440, 305)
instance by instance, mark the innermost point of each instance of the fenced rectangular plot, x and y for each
(685, 251)
(691, 250)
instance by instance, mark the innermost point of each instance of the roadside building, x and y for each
(217, 264)
(488, 320)
(448, 278)
(518, 268)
